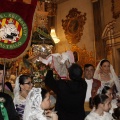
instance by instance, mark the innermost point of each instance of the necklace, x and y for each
(105, 77)
(105, 74)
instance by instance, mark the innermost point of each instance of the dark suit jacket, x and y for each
(70, 97)
(12, 114)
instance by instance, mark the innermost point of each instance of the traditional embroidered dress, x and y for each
(20, 105)
(113, 78)
(95, 116)
(109, 83)
(19, 101)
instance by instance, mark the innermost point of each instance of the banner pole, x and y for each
(3, 79)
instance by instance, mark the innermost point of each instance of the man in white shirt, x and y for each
(92, 85)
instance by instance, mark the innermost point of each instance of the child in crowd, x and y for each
(109, 92)
(102, 104)
(37, 105)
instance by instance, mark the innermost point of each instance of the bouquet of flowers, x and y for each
(40, 73)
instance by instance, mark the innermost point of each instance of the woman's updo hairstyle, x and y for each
(98, 99)
(22, 79)
(103, 61)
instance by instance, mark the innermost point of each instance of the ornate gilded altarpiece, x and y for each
(73, 25)
(83, 56)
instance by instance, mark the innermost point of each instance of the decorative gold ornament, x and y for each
(51, 8)
(73, 25)
(108, 50)
(84, 56)
(42, 50)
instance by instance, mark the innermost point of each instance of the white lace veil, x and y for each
(17, 87)
(97, 71)
(16, 91)
(33, 110)
(17, 100)
(113, 75)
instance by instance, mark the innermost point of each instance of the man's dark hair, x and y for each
(75, 72)
(8, 84)
(1, 67)
(88, 65)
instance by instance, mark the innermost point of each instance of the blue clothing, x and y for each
(20, 110)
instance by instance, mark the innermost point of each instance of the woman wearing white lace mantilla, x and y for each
(37, 105)
(22, 87)
(106, 74)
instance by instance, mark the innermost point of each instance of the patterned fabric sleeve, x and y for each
(20, 110)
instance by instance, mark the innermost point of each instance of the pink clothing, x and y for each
(61, 62)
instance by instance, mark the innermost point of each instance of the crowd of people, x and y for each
(85, 94)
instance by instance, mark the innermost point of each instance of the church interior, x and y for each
(59, 59)
(89, 28)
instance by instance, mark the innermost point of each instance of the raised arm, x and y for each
(50, 81)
